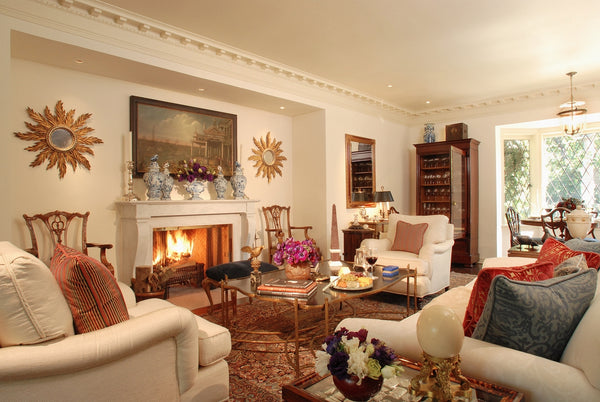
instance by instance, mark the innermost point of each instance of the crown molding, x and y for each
(134, 23)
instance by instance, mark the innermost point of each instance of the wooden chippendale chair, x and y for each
(278, 227)
(67, 228)
(554, 224)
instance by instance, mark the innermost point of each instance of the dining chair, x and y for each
(517, 238)
(61, 227)
(278, 227)
(554, 224)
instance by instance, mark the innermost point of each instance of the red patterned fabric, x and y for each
(533, 272)
(557, 252)
(91, 291)
(409, 237)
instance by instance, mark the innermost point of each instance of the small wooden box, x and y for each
(458, 131)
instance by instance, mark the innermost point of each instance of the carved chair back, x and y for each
(554, 224)
(514, 225)
(61, 227)
(278, 227)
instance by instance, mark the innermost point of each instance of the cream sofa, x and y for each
(576, 377)
(162, 353)
(433, 260)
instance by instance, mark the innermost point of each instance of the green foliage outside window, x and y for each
(517, 182)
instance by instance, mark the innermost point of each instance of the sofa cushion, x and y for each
(571, 266)
(583, 341)
(531, 272)
(91, 290)
(32, 307)
(536, 317)
(409, 237)
(592, 245)
(557, 252)
(437, 230)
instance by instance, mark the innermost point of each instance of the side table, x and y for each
(352, 239)
(524, 251)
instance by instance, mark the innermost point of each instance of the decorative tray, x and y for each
(336, 287)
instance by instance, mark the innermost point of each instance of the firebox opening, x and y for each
(183, 246)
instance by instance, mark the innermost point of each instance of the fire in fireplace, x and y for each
(182, 246)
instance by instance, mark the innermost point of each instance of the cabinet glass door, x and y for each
(458, 215)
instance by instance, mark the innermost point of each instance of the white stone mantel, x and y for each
(138, 219)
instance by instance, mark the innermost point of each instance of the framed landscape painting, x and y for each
(178, 132)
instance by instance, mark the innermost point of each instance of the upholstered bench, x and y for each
(230, 270)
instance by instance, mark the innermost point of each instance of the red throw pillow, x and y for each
(557, 252)
(91, 291)
(530, 273)
(409, 237)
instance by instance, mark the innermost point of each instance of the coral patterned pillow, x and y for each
(409, 237)
(91, 291)
(530, 273)
(556, 252)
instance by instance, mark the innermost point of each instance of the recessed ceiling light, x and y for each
(282, 107)
(78, 61)
(389, 85)
(201, 89)
(428, 102)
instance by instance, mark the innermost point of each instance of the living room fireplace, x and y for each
(138, 221)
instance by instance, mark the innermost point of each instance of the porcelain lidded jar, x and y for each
(195, 188)
(168, 181)
(429, 133)
(220, 184)
(154, 179)
(579, 222)
(238, 182)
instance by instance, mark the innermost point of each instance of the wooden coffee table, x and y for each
(316, 388)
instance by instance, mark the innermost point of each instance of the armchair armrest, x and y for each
(305, 228)
(428, 250)
(380, 244)
(99, 350)
(103, 247)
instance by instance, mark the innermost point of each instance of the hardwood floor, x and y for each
(474, 270)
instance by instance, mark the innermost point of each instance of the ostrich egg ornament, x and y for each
(440, 332)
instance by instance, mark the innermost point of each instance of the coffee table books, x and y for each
(288, 288)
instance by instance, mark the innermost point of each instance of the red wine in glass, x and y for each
(372, 260)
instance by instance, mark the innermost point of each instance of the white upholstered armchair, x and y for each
(428, 248)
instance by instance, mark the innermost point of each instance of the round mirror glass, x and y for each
(61, 139)
(268, 157)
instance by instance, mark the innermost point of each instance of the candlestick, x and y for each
(130, 195)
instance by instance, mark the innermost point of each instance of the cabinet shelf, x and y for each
(447, 184)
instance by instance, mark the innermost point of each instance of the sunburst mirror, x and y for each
(267, 157)
(59, 138)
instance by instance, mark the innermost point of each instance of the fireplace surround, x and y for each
(137, 221)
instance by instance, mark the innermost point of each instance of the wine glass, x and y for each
(371, 257)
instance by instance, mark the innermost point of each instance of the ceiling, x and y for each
(406, 53)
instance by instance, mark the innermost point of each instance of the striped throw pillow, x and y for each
(91, 291)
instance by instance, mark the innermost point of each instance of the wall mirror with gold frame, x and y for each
(360, 171)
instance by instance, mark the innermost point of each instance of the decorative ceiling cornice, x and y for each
(135, 23)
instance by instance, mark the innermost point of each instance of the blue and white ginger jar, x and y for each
(238, 182)
(220, 184)
(154, 180)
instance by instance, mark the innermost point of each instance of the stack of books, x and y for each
(288, 288)
(389, 272)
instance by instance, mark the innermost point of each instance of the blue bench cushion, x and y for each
(236, 269)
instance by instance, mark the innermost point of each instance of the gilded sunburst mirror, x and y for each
(59, 138)
(268, 157)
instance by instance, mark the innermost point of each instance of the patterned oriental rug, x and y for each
(258, 371)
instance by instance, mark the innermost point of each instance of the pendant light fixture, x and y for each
(572, 113)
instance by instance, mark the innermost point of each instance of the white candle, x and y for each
(129, 141)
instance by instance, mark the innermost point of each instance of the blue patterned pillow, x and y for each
(536, 317)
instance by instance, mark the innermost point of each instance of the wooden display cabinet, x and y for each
(448, 184)
(352, 240)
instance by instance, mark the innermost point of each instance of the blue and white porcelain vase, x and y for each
(220, 184)
(168, 181)
(195, 188)
(429, 135)
(154, 179)
(238, 182)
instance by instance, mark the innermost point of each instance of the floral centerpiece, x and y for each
(298, 257)
(358, 366)
(194, 174)
(569, 203)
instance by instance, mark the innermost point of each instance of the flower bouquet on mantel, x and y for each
(194, 174)
(297, 256)
(357, 366)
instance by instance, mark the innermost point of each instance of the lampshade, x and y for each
(383, 196)
(360, 197)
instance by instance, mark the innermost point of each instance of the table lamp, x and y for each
(383, 197)
(440, 334)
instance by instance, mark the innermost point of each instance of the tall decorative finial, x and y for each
(335, 240)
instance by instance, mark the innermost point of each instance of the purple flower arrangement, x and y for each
(347, 353)
(192, 170)
(295, 252)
